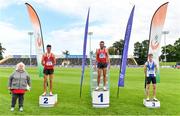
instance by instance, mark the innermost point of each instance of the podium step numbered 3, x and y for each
(151, 104)
(48, 101)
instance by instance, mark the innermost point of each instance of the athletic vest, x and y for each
(150, 69)
(48, 61)
(101, 56)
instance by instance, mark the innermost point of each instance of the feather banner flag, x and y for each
(125, 50)
(39, 44)
(155, 33)
(84, 51)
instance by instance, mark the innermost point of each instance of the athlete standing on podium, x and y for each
(48, 61)
(102, 59)
(150, 69)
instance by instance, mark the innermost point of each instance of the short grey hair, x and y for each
(21, 63)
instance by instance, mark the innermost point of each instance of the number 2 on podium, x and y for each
(101, 97)
(45, 100)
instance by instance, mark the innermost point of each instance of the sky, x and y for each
(63, 23)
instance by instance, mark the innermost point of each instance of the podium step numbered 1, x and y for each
(100, 99)
(48, 101)
(151, 104)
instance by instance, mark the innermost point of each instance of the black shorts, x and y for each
(151, 78)
(48, 71)
(102, 65)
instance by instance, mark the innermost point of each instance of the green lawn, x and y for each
(66, 85)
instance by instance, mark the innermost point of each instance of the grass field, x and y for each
(66, 85)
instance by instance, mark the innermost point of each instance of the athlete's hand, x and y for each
(28, 88)
(108, 65)
(95, 68)
(9, 88)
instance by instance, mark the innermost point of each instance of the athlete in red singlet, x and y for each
(48, 61)
(102, 59)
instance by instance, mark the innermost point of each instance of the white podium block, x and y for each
(151, 104)
(47, 101)
(100, 99)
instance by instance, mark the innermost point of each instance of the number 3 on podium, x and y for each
(45, 100)
(101, 97)
(153, 104)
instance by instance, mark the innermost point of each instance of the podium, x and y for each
(100, 99)
(48, 101)
(151, 104)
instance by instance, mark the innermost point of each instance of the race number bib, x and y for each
(101, 55)
(151, 72)
(49, 63)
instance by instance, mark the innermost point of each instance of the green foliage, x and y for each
(116, 48)
(1, 51)
(140, 51)
(177, 49)
(171, 52)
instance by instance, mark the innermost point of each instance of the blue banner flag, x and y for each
(125, 50)
(84, 51)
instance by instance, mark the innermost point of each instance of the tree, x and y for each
(111, 50)
(141, 51)
(116, 48)
(170, 53)
(1, 51)
(177, 50)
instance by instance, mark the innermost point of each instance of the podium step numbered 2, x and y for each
(48, 101)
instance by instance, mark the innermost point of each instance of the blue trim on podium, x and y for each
(100, 104)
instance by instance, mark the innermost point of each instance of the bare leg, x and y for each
(104, 75)
(147, 90)
(51, 81)
(45, 82)
(154, 90)
(99, 76)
